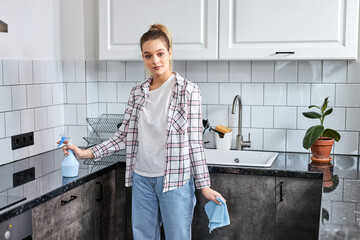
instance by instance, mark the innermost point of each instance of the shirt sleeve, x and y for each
(197, 156)
(117, 141)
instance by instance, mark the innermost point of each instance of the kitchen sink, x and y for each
(240, 158)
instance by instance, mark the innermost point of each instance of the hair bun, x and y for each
(154, 27)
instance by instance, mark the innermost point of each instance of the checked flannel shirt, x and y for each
(184, 150)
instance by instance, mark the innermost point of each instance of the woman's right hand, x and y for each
(79, 153)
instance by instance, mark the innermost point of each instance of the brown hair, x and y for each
(158, 31)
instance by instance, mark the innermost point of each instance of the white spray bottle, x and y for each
(70, 165)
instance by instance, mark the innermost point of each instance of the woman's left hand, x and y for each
(211, 195)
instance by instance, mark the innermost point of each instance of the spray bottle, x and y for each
(70, 165)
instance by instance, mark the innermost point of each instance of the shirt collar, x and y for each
(145, 86)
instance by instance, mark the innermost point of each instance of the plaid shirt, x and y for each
(184, 150)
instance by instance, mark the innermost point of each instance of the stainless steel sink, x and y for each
(240, 158)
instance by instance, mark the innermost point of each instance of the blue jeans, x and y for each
(151, 208)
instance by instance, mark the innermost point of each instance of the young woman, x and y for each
(162, 134)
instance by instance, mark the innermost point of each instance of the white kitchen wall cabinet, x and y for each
(283, 29)
(194, 26)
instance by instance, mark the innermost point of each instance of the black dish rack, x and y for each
(102, 129)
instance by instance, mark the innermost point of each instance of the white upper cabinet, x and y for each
(194, 26)
(288, 29)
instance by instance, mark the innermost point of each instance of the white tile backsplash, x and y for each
(347, 95)
(12, 123)
(58, 93)
(286, 71)
(41, 120)
(46, 94)
(92, 94)
(18, 97)
(256, 137)
(135, 71)
(353, 72)
(336, 120)
(81, 114)
(353, 119)
(51, 73)
(80, 71)
(26, 72)
(209, 93)
(123, 91)
(240, 71)
(47, 140)
(218, 115)
(334, 71)
(70, 116)
(233, 118)
(320, 91)
(91, 71)
(275, 94)
(68, 70)
(33, 94)
(5, 99)
(228, 91)
(252, 94)
(115, 108)
(179, 67)
(39, 71)
(218, 71)
(27, 120)
(2, 125)
(53, 116)
(274, 139)
(107, 92)
(304, 122)
(309, 72)
(36, 148)
(102, 66)
(285, 117)
(115, 71)
(6, 152)
(196, 71)
(298, 95)
(11, 72)
(263, 71)
(294, 140)
(348, 143)
(262, 117)
(76, 93)
(1, 73)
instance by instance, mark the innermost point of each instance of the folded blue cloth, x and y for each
(218, 214)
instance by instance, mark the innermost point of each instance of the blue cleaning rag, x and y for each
(218, 214)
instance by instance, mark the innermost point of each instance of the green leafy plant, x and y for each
(319, 132)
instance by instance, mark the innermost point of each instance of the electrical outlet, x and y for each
(22, 177)
(22, 140)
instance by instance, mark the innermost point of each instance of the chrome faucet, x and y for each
(239, 138)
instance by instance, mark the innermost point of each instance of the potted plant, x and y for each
(317, 137)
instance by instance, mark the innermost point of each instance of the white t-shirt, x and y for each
(152, 125)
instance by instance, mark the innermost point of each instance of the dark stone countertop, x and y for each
(340, 198)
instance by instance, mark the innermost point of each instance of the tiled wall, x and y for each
(45, 96)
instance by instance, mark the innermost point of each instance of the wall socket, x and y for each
(22, 140)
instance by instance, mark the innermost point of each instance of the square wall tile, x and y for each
(107, 92)
(262, 71)
(252, 94)
(77, 133)
(336, 120)
(80, 71)
(59, 66)
(57, 132)
(353, 72)
(102, 66)
(92, 94)
(92, 110)
(262, 117)
(22, 165)
(347, 95)
(26, 72)
(39, 70)
(345, 166)
(256, 137)
(218, 71)
(47, 140)
(285, 117)
(240, 71)
(275, 94)
(348, 144)
(286, 71)
(228, 91)
(115, 71)
(53, 116)
(81, 114)
(209, 93)
(58, 94)
(76, 93)
(27, 120)
(2, 125)
(41, 121)
(196, 71)
(36, 148)
(179, 67)
(334, 71)
(33, 96)
(233, 118)
(51, 73)
(11, 72)
(18, 97)
(353, 119)
(309, 71)
(294, 140)
(304, 122)
(116, 108)
(12, 123)
(343, 213)
(21, 153)
(6, 173)
(298, 95)
(69, 71)
(123, 91)
(46, 94)
(274, 139)
(91, 71)
(70, 116)
(135, 71)
(218, 115)
(320, 91)
(5, 99)
(1, 73)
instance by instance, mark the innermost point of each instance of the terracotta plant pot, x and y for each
(321, 150)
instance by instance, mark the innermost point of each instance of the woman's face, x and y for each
(156, 57)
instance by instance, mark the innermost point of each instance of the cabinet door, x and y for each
(194, 27)
(283, 29)
(250, 201)
(298, 202)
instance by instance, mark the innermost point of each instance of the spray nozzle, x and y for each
(63, 138)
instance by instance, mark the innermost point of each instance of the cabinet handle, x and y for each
(285, 52)
(100, 191)
(281, 191)
(63, 202)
